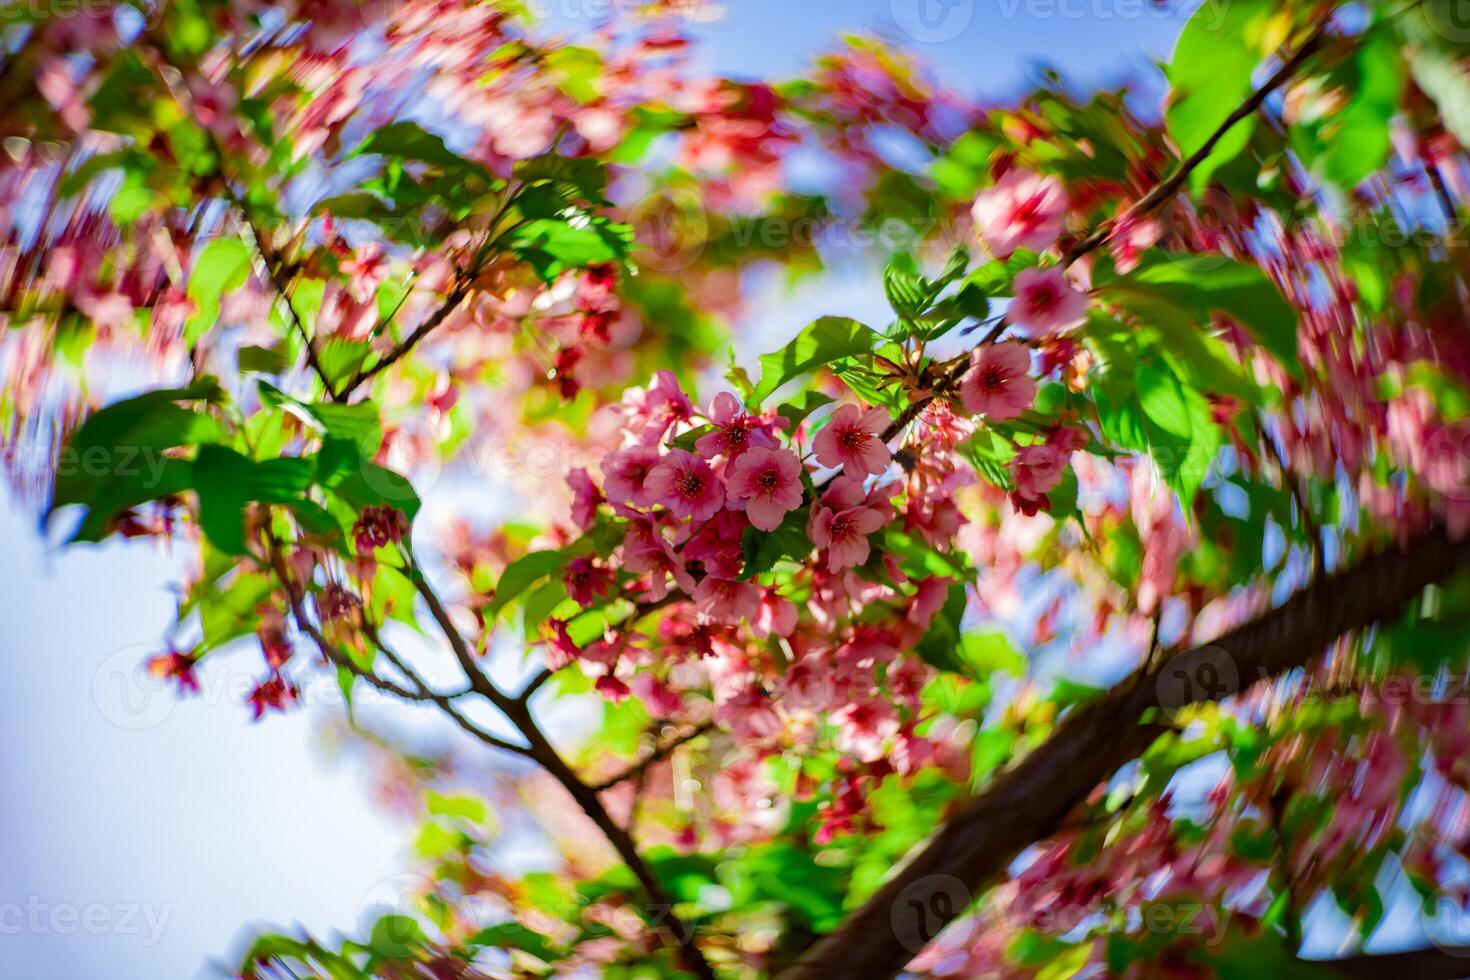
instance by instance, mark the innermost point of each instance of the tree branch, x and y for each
(1030, 800)
(540, 749)
(1445, 963)
(660, 752)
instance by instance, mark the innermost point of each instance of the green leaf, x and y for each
(221, 267)
(340, 357)
(341, 468)
(513, 935)
(907, 291)
(1210, 75)
(396, 936)
(461, 806)
(763, 549)
(126, 440)
(554, 245)
(223, 478)
(1144, 406)
(357, 423)
(523, 573)
(410, 141)
(821, 342)
(265, 360)
(1204, 285)
(1355, 140)
(584, 175)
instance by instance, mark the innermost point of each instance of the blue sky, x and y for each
(141, 834)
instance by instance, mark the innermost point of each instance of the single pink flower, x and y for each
(1045, 303)
(275, 693)
(624, 473)
(723, 600)
(612, 688)
(853, 440)
(844, 533)
(769, 481)
(1022, 210)
(928, 600)
(585, 498)
(999, 385)
(365, 271)
(777, 616)
(1037, 469)
(178, 667)
(561, 649)
(661, 700)
(686, 485)
(586, 581)
(645, 550)
(735, 430)
(863, 729)
(748, 715)
(1130, 238)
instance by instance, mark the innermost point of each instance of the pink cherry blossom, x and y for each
(999, 385)
(769, 481)
(749, 715)
(735, 430)
(844, 534)
(1037, 469)
(1045, 303)
(686, 485)
(585, 580)
(777, 616)
(611, 688)
(661, 700)
(585, 498)
(645, 550)
(722, 600)
(366, 270)
(1022, 210)
(853, 440)
(624, 473)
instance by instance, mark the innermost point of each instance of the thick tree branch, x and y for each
(1446, 963)
(1030, 800)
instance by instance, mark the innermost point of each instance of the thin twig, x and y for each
(659, 754)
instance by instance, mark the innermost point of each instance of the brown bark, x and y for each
(1029, 801)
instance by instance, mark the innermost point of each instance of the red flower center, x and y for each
(1045, 298)
(691, 484)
